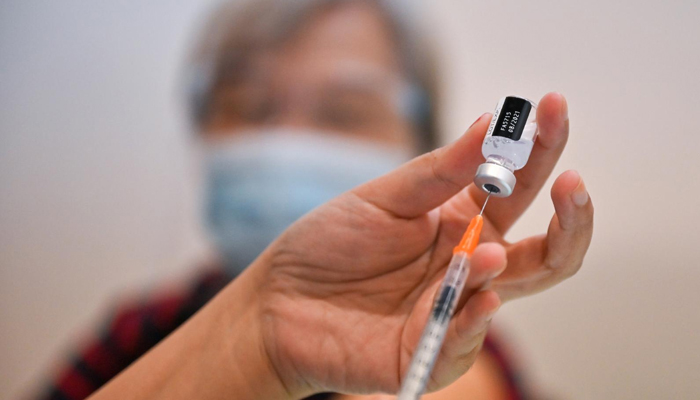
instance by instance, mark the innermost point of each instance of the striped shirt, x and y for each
(134, 329)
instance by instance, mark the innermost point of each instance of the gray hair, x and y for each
(236, 28)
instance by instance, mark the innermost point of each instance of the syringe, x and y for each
(429, 345)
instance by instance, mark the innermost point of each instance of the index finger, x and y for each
(427, 181)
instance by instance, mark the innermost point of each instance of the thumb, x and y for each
(429, 180)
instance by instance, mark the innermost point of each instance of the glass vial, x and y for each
(507, 145)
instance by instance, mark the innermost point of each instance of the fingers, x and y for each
(487, 262)
(570, 235)
(538, 263)
(464, 338)
(473, 313)
(553, 125)
(429, 180)
(474, 317)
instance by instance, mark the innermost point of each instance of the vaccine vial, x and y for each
(507, 145)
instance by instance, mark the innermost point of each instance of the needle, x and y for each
(484, 206)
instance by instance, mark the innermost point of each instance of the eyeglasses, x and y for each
(349, 98)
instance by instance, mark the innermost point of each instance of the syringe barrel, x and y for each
(431, 340)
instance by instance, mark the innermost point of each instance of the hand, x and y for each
(344, 293)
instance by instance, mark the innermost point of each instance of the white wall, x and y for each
(93, 151)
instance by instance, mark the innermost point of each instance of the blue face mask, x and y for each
(259, 183)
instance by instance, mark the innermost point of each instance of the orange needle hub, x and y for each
(471, 236)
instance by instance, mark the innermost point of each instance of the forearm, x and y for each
(218, 353)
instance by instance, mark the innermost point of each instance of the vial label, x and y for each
(512, 118)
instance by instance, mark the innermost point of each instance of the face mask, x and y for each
(259, 183)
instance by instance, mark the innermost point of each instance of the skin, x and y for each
(339, 300)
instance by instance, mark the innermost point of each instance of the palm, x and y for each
(380, 275)
(354, 280)
(374, 291)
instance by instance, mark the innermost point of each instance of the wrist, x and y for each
(218, 353)
(235, 314)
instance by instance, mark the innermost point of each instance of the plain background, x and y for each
(96, 176)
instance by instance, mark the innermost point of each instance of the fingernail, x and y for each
(477, 120)
(580, 195)
(492, 313)
(564, 107)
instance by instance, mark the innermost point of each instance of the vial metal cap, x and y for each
(496, 179)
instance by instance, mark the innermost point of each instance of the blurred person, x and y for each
(295, 103)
